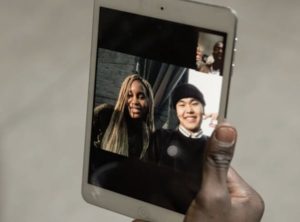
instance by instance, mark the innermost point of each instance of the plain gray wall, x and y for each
(44, 68)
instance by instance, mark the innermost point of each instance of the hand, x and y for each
(224, 195)
(214, 119)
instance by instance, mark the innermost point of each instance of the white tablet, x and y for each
(166, 43)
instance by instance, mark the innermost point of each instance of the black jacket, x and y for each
(171, 149)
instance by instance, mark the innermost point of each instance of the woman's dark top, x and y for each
(102, 117)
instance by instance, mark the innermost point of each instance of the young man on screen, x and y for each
(182, 149)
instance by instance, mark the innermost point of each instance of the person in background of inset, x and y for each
(214, 62)
(201, 60)
(200, 57)
(218, 55)
(125, 129)
(224, 195)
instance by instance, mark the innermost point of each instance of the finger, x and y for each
(208, 115)
(240, 189)
(218, 157)
(213, 123)
(242, 194)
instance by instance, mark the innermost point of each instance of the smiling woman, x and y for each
(137, 102)
(125, 129)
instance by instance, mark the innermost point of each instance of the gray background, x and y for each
(44, 66)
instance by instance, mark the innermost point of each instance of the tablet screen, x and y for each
(156, 164)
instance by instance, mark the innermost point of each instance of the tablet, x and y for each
(165, 43)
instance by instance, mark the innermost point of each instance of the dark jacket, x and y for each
(171, 149)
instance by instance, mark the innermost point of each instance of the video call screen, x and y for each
(166, 55)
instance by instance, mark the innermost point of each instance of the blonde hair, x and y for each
(115, 138)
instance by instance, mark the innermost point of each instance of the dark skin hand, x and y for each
(225, 196)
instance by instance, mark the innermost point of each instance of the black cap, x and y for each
(187, 90)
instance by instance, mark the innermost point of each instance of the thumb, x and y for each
(219, 154)
(212, 202)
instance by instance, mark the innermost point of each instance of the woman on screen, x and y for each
(125, 128)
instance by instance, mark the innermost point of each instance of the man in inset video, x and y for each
(182, 148)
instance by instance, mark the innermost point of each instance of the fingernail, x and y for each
(225, 136)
